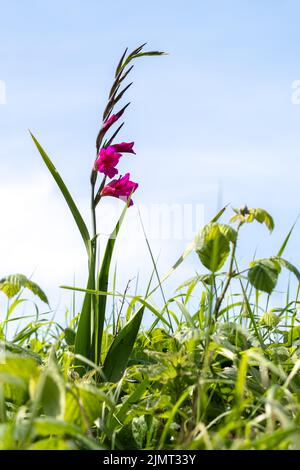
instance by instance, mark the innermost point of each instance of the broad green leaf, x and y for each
(19, 366)
(7, 440)
(249, 215)
(213, 247)
(11, 347)
(228, 232)
(70, 336)
(292, 335)
(12, 284)
(54, 427)
(102, 285)
(263, 274)
(83, 337)
(263, 217)
(83, 405)
(16, 372)
(50, 389)
(66, 194)
(119, 352)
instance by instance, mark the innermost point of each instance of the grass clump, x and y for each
(224, 374)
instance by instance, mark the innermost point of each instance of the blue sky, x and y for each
(216, 112)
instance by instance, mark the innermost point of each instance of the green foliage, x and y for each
(90, 328)
(118, 355)
(12, 284)
(134, 55)
(70, 336)
(174, 391)
(213, 371)
(245, 215)
(213, 245)
(66, 194)
(263, 274)
(51, 390)
(270, 319)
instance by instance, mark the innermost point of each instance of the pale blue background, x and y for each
(216, 112)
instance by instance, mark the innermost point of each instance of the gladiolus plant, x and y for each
(89, 334)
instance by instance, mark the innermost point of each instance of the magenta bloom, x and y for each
(124, 147)
(107, 160)
(121, 188)
(113, 118)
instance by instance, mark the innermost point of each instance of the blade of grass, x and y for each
(102, 284)
(66, 194)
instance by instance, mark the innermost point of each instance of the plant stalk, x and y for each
(230, 275)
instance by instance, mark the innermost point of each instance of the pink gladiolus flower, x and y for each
(107, 160)
(113, 118)
(124, 147)
(121, 188)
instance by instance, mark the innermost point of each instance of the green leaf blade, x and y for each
(66, 194)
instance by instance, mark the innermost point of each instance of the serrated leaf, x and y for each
(229, 232)
(12, 284)
(213, 247)
(263, 217)
(263, 274)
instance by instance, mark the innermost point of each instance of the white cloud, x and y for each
(39, 236)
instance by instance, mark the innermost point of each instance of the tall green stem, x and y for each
(230, 275)
(92, 268)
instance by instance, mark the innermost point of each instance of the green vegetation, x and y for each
(217, 369)
(214, 371)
